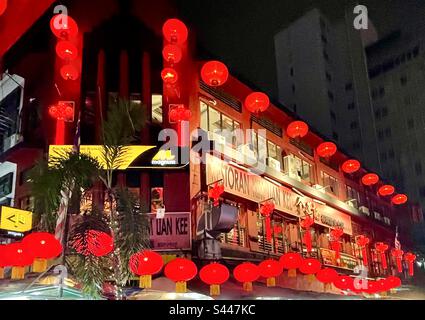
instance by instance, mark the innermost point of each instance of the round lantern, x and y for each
(63, 27)
(291, 262)
(94, 242)
(386, 190)
(3, 6)
(297, 129)
(180, 271)
(372, 287)
(214, 274)
(382, 248)
(69, 72)
(393, 282)
(172, 53)
(351, 166)
(43, 246)
(399, 199)
(246, 273)
(266, 211)
(382, 286)
(326, 149)
(410, 259)
(344, 283)
(327, 276)
(175, 31)
(4, 260)
(270, 269)
(306, 225)
(257, 102)
(19, 258)
(66, 50)
(398, 256)
(169, 76)
(362, 242)
(310, 267)
(335, 236)
(145, 264)
(214, 73)
(370, 179)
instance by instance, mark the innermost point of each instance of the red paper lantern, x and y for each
(362, 242)
(63, 27)
(335, 236)
(382, 286)
(370, 179)
(169, 76)
(179, 114)
(399, 199)
(410, 259)
(66, 50)
(180, 271)
(172, 53)
(3, 6)
(386, 190)
(69, 72)
(344, 283)
(351, 166)
(62, 111)
(327, 275)
(398, 256)
(297, 129)
(4, 260)
(270, 269)
(94, 242)
(393, 282)
(257, 102)
(306, 225)
(382, 248)
(214, 274)
(291, 262)
(326, 149)
(214, 73)
(266, 211)
(246, 273)
(19, 258)
(310, 267)
(145, 264)
(215, 193)
(43, 246)
(175, 31)
(372, 287)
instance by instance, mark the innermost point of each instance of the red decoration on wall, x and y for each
(175, 31)
(398, 256)
(291, 262)
(382, 248)
(306, 225)
(214, 274)
(297, 129)
(66, 50)
(172, 53)
(393, 282)
(362, 242)
(179, 113)
(410, 259)
(399, 199)
(3, 6)
(169, 76)
(351, 166)
(372, 287)
(344, 283)
(63, 110)
(94, 242)
(370, 179)
(335, 236)
(145, 264)
(19, 257)
(310, 267)
(215, 193)
(386, 190)
(326, 149)
(270, 269)
(327, 275)
(180, 271)
(257, 102)
(266, 210)
(69, 72)
(246, 273)
(43, 246)
(214, 73)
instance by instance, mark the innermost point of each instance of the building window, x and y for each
(157, 108)
(381, 92)
(380, 134)
(378, 114)
(298, 168)
(353, 196)
(325, 55)
(324, 39)
(328, 77)
(330, 183)
(384, 112)
(265, 149)
(6, 183)
(292, 72)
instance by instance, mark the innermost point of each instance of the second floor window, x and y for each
(353, 196)
(330, 183)
(298, 169)
(267, 151)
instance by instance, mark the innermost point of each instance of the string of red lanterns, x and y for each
(370, 179)
(326, 149)
(351, 166)
(145, 264)
(297, 129)
(257, 102)
(386, 190)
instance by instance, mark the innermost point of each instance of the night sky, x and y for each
(240, 32)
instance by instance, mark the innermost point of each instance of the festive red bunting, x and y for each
(335, 236)
(266, 211)
(169, 76)
(362, 242)
(64, 27)
(172, 53)
(215, 193)
(66, 50)
(327, 275)
(351, 166)
(69, 72)
(386, 190)
(370, 179)
(399, 199)
(326, 149)
(3, 6)
(344, 283)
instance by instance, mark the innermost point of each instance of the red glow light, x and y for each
(42, 245)
(214, 73)
(326, 149)
(386, 190)
(169, 75)
(257, 102)
(63, 27)
(172, 53)
(66, 50)
(180, 270)
(3, 6)
(175, 31)
(297, 129)
(351, 166)
(370, 179)
(146, 262)
(69, 72)
(214, 274)
(399, 199)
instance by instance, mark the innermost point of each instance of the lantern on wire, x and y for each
(175, 31)
(270, 269)
(4, 260)
(410, 259)
(145, 264)
(214, 274)
(266, 210)
(398, 256)
(214, 73)
(335, 236)
(344, 283)
(291, 262)
(180, 270)
(3, 6)
(310, 267)
(297, 130)
(306, 225)
(382, 248)
(19, 258)
(351, 166)
(362, 242)
(399, 199)
(386, 190)
(169, 76)
(43, 246)
(215, 193)
(370, 179)
(66, 50)
(93, 242)
(247, 273)
(63, 27)
(69, 72)
(172, 54)
(327, 276)
(257, 102)
(326, 149)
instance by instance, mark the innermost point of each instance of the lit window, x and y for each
(157, 108)
(330, 183)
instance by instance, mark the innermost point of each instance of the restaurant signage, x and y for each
(170, 233)
(345, 261)
(16, 220)
(255, 188)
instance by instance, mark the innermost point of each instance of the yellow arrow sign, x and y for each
(13, 219)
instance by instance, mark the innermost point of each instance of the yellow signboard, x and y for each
(13, 219)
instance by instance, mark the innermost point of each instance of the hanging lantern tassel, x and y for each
(335, 235)
(39, 265)
(384, 261)
(292, 273)
(215, 290)
(145, 282)
(364, 255)
(1, 273)
(247, 286)
(307, 240)
(268, 229)
(410, 259)
(398, 255)
(181, 287)
(336, 247)
(18, 273)
(271, 282)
